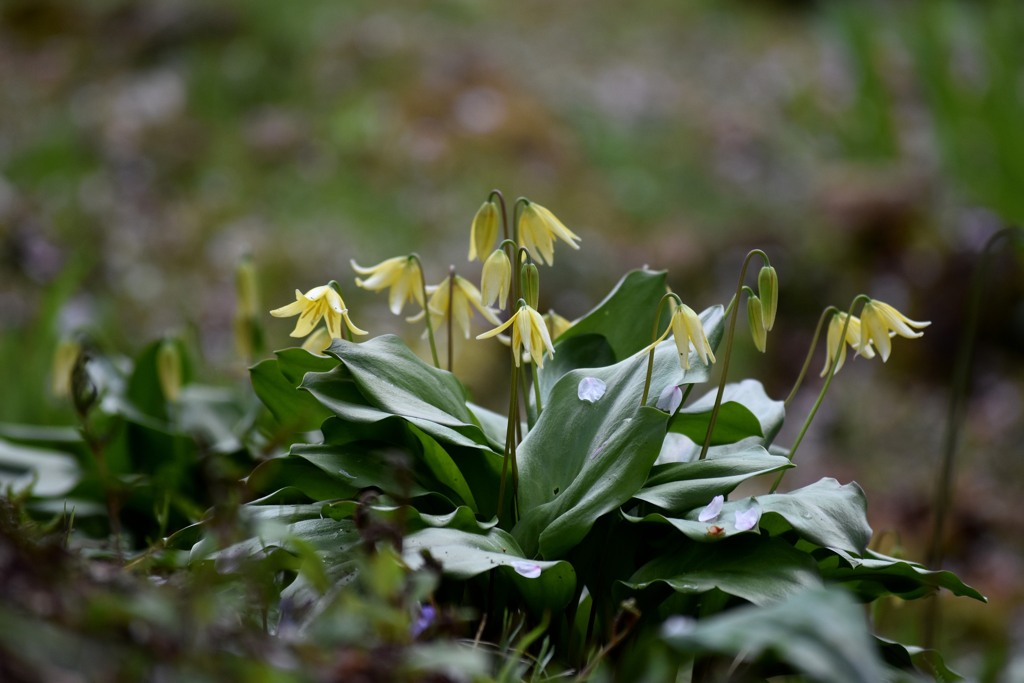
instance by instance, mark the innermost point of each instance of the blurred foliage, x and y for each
(146, 146)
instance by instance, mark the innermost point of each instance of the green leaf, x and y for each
(293, 409)
(464, 554)
(918, 659)
(635, 299)
(678, 487)
(580, 351)
(444, 468)
(382, 377)
(874, 575)
(295, 362)
(820, 632)
(825, 513)
(746, 411)
(758, 569)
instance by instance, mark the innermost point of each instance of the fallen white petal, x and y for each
(670, 399)
(530, 570)
(713, 509)
(591, 389)
(748, 519)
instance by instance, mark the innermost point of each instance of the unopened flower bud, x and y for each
(768, 290)
(496, 279)
(484, 230)
(754, 317)
(530, 279)
(168, 369)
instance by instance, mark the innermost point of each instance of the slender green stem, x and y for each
(954, 420)
(504, 213)
(451, 318)
(829, 310)
(536, 388)
(654, 342)
(426, 311)
(510, 440)
(730, 334)
(831, 373)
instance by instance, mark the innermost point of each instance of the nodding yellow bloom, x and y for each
(463, 298)
(317, 342)
(496, 279)
(688, 330)
(529, 333)
(557, 325)
(836, 343)
(401, 273)
(483, 231)
(319, 302)
(880, 322)
(768, 289)
(538, 227)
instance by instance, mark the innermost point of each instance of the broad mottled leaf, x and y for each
(634, 299)
(758, 569)
(293, 409)
(464, 554)
(679, 487)
(746, 411)
(819, 632)
(874, 575)
(825, 513)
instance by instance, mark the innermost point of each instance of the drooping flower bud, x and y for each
(168, 369)
(484, 230)
(530, 279)
(768, 290)
(496, 279)
(754, 317)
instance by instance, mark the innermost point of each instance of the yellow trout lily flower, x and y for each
(557, 325)
(401, 273)
(318, 342)
(496, 279)
(880, 322)
(319, 302)
(483, 231)
(537, 229)
(688, 330)
(836, 343)
(529, 333)
(463, 298)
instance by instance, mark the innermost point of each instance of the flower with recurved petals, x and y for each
(529, 333)
(688, 331)
(458, 302)
(537, 229)
(319, 302)
(880, 322)
(836, 343)
(401, 273)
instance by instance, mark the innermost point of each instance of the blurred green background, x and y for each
(145, 148)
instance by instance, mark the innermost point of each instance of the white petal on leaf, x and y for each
(747, 519)
(670, 399)
(591, 389)
(713, 509)
(530, 570)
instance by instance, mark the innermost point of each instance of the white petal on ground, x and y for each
(713, 509)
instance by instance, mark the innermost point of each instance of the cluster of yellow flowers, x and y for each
(454, 298)
(878, 324)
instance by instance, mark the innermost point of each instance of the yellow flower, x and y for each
(880, 322)
(529, 333)
(317, 342)
(836, 343)
(401, 274)
(496, 279)
(557, 325)
(538, 227)
(483, 231)
(463, 298)
(319, 302)
(688, 330)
